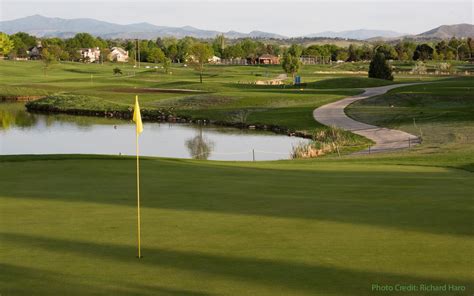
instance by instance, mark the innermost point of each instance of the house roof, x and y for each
(267, 56)
(120, 50)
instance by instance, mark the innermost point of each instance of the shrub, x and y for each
(324, 142)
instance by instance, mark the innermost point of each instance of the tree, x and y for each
(291, 64)
(342, 55)
(201, 53)
(405, 50)
(273, 49)
(22, 42)
(353, 53)
(449, 56)
(379, 68)
(233, 51)
(166, 65)
(48, 59)
(6, 44)
(218, 45)
(423, 52)
(83, 40)
(295, 50)
(56, 52)
(249, 49)
(172, 52)
(184, 48)
(389, 51)
(155, 55)
(470, 45)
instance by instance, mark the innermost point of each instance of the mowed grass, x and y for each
(441, 113)
(226, 90)
(326, 227)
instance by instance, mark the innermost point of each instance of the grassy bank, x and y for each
(68, 226)
(441, 113)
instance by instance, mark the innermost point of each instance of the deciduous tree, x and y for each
(201, 53)
(291, 64)
(6, 44)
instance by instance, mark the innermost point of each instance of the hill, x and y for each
(448, 31)
(42, 26)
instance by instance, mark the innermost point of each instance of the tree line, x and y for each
(179, 50)
(198, 52)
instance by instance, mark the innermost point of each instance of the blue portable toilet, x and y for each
(297, 79)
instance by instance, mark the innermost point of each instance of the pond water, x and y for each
(26, 133)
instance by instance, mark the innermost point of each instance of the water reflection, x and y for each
(200, 147)
(13, 114)
(25, 133)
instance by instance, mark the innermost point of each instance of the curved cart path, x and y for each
(385, 139)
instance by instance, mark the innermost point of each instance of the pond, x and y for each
(26, 133)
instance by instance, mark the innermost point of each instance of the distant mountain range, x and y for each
(361, 34)
(57, 27)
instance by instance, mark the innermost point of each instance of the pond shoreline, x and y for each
(165, 116)
(19, 99)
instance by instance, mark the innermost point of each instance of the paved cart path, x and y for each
(385, 139)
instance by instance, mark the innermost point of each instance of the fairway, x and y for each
(281, 228)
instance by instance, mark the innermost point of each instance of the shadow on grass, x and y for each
(20, 280)
(433, 202)
(285, 274)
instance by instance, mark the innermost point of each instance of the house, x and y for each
(118, 54)
(34, 53)
(90, 55)
(214, 60)
(268, 59)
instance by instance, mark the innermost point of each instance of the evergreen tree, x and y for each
(379, 68)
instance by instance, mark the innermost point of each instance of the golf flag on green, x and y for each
(137, 118)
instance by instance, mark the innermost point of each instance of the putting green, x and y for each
(281, 228)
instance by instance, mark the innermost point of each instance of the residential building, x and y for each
(90, 55)
(268, 59)
(118, 54)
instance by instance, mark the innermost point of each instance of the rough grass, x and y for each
(74, 102)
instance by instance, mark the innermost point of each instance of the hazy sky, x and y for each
(288, 17)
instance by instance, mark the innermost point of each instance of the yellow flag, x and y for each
(137, 118)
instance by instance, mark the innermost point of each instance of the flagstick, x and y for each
(138, 204)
